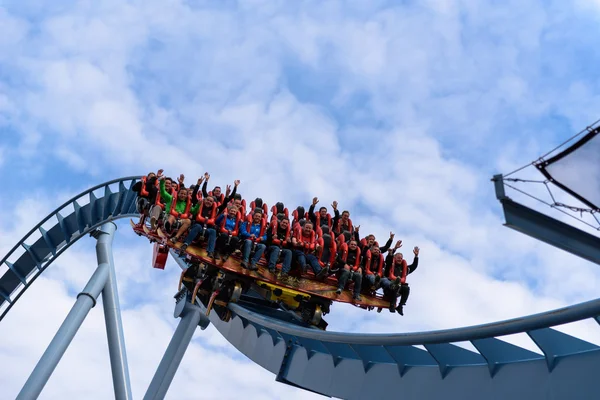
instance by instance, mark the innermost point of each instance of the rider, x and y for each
(228, 240)
(178, 213)
(395, 283)
(253, 233)
(373, 267)
(204, 224)
(343, 223)
(322, 218)
(349, 261)
(147, 192)
(216, 192)
(279, 240)
(305, 243)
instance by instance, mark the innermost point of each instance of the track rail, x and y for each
(350, 365)
(40, 252)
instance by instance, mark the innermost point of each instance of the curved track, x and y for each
(353, 365)
(42, 246)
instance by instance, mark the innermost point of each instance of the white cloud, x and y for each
(401, 114)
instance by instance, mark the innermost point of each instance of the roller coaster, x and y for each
(420, 365)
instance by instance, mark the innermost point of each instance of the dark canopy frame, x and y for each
(544, 165)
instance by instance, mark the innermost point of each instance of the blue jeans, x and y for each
(260, 249)
(286, 255)
(369, 280)
(309, 259)
(197, 230)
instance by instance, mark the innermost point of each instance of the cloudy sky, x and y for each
(400, 112)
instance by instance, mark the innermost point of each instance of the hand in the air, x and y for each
(200, 180)
(236, 182)
(206, 176)
(181, 178)
(356, 228)
(416, 251)
(392, 235)
(398, 244)
(334, 205)
(315, 201)
(160, 172)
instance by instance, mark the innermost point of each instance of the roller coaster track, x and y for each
(351, 365)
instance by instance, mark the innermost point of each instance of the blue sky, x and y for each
(401, 111)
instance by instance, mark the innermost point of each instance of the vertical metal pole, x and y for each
(112, 316)
(86, 300)
(174, 354)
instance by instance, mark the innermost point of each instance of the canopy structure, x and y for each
(576, 169)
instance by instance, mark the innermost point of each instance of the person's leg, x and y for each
(246, 249)
(194, 231)
(184, 225)
(313, 261)
(357, 278)
(154, 216)
(142, 205)
(301, 258)
(404, 293)
(232, 245)
(259, 249)
(286, 264)
(369, 280)
(169, 223)
(273, 257)
(342, 280)
(212, 239)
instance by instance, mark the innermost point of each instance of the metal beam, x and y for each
(551, 231)
(191, 317)
(112, 315)
(86, 300)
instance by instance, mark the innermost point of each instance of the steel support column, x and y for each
(112, 315)
(86, 300)
(180, 341)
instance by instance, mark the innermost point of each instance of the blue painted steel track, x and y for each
(354, 365)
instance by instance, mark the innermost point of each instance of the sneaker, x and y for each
(225, 257)
(253, 267)
(184, 247)
(400, 309)
(356, 297)
(244, 264)
(153, 223)
(339, 291)
(210, 254)
(322, 274)
(272, 269)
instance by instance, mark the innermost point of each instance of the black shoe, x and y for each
(225, 257)
(253, 267)
(377, 282)
(400, 309)
(210, 254)
(339, 291)
(272, 269)
(322, 274)
(184, 247)
(356, 297)
(244, 264)
(392, 307)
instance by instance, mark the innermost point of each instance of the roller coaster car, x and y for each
(217, 282)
